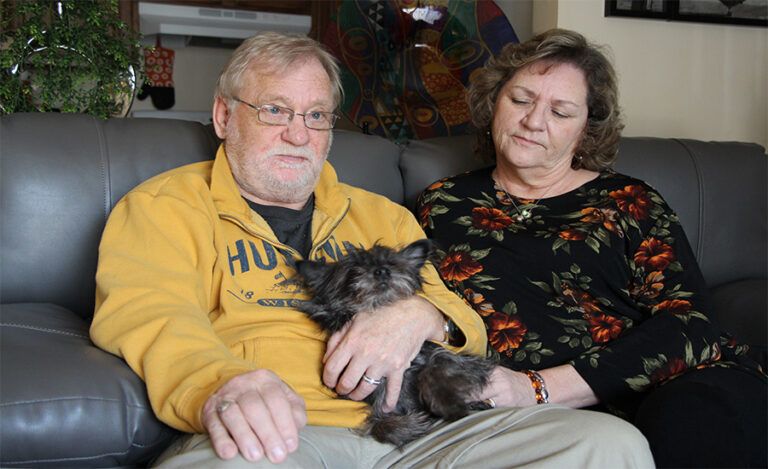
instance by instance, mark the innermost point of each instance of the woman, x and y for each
(588, 287)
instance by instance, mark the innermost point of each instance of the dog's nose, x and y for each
(381, 272)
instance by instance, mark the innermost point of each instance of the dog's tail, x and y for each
(399, 429)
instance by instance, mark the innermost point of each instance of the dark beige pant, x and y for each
(540, 436)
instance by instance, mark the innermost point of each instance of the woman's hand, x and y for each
(509, 388)
(255, 414)
(380, 344)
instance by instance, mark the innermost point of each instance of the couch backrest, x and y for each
(60, 175)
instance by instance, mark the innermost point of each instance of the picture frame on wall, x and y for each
(738, 12)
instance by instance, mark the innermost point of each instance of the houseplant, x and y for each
(67, 56)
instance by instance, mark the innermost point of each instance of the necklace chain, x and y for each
(525, 213)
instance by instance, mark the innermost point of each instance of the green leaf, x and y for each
(592, 243)
(442, 195)
(510, 308)
(544, 286)
(638, 383)
(464, 221)
(482, 202)
(478, 254)
(533, 346)
(558, 243)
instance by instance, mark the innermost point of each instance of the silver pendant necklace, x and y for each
(523, 214)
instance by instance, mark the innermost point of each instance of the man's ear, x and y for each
(221, 116)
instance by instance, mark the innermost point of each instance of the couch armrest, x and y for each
(741, 307)
(65, 402)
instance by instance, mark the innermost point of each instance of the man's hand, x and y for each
(380, 344)
(255, 414)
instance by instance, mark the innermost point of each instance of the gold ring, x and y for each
(224, 405)
(371, 381)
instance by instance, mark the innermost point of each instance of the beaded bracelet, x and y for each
(539, 387)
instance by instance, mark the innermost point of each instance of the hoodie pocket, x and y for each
(298, 362)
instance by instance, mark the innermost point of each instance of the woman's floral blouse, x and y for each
(602, 277)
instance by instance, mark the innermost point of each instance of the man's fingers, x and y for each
(240, 430)
(224, 446)
(298, 407)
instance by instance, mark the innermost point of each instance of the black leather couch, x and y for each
(64, 402)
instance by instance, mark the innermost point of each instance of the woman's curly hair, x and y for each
(599, 145)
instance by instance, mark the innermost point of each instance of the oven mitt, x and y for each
(158, 65)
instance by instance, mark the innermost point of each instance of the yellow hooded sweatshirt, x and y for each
(193, 289)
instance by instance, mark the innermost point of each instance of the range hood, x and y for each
(216, 23)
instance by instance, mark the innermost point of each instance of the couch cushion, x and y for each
(65, 402)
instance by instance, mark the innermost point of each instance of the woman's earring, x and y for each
(577, 160)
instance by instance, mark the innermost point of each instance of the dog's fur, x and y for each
(439, 384)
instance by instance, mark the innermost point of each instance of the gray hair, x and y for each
(275, 52)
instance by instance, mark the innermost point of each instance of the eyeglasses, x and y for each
(272, 114)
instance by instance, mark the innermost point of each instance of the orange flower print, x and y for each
(436, 185)
(602, 216)
(674, 306)
(572, 235)
(478, 303)
(459, 266)
(505, 332)
(673, 368)
(489, 219)
(653, 254)
(579, 298)
(633, 200)
(424, 212)
(604, 328)
(651, 287)
(503, 197)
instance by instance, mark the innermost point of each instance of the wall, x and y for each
(703, 81)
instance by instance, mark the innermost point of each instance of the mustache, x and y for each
(290, 150)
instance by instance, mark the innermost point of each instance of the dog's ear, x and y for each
(314, 273)
(418, 252)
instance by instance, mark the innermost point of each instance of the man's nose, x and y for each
(296, 133)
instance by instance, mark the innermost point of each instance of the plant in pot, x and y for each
(67, 56)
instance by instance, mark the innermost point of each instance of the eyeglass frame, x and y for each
(291, 114)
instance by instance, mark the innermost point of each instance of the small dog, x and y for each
(439, 384)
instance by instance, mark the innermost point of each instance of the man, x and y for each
(195, 292)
